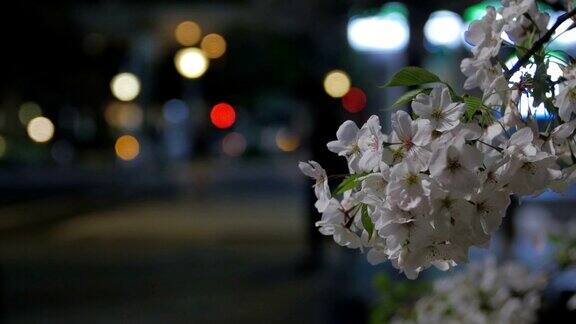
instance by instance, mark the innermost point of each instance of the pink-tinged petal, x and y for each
(475, 33)
(522, 137)
(490, 222)
(337, 147)
(421, 109)
(402, 125)
(436, 97)
(447, 124)
(375, 256)
(454, 110)
(373, 123)
(445, 98)
(565, 130)
(419, 156)
(470, 157)
(347, 132)
(423, 132)
(438, 163)
(308, 169)
(565, 106)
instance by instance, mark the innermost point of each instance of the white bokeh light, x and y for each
(40, 129)
(444, 28)
(125, 86)
(191, 62)
(387, 33)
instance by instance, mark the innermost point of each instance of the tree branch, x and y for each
(540, 43)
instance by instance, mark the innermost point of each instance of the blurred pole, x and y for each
(418, 12)
(327, 46)
(3, 294)
(508, 227)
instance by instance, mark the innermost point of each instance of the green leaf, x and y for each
(412, 76)
(409, 96)
(560, 55)
(540, 85)
(349, 183)
(486, 119)
(473, 104)
(367, 221)
(453, 95)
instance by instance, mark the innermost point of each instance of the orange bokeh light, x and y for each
(188, 33)
(223, 115)
(127, 147)
(213, 45)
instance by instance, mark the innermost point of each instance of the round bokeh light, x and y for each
(223, 115)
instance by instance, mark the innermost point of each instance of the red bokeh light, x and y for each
(223, 115)
(354, 101)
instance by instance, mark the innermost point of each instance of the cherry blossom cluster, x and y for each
(440, 182)
(485, 293)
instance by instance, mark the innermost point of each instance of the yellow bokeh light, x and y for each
(124, 115)
(191, 62)
(213, 45)
(2, 146)
(336, 83)
(287, 141)
(29, 111)
(127, 147)
(40, 129)
(125, 86)
(188, 33)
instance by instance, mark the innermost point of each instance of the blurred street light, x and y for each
(124, 115)
(127, 147)
(336, 83)
(188, 33)
(40, 129)
(125, 86)
(444, 28)
(234, 144)
(175, 111)
(385, 32)
(287, 141)
(223, 115)
(213, 45)
(191, 62)
(354, 101)
(29, 111)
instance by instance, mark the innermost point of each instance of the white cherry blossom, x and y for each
(370, 142)
(347, 144)
(408, 187)
(566, 100)
(411, 138)
(321, 188)
(455, 166)
(440, 184)
(439, 109)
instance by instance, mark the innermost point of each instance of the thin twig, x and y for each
(499, 149)
(540, 43)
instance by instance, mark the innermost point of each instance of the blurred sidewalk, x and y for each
(215, 257)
